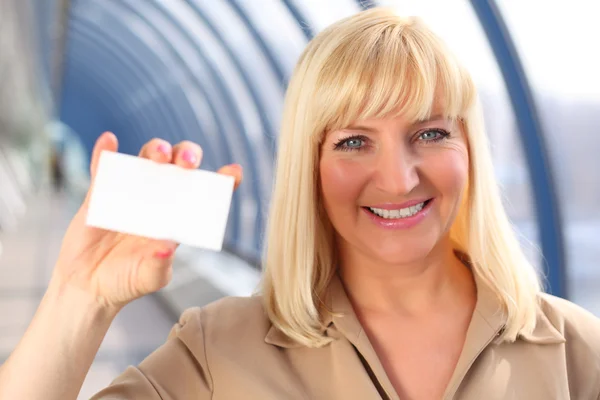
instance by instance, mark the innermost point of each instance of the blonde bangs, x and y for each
(394, 68)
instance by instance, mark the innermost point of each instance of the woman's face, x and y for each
(392, 187)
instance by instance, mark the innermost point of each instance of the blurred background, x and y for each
(215, 72)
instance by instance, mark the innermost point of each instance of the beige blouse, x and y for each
(229, 350)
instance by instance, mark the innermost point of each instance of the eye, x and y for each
(351, 143)
(433, 135)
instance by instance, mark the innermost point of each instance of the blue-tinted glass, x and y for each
(321, 14)
(278, 28)
(560, 55)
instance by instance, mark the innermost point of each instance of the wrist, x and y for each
(62, 295)
(58, 347)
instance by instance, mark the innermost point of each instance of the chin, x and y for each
(403, 250)
(406, 253)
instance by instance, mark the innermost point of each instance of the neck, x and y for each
(437, 282)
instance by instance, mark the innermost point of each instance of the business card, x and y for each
(141, 197)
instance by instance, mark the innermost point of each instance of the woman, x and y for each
(391, 269)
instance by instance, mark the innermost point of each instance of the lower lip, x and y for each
(400, 223)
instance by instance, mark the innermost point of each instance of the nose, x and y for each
(397, 171)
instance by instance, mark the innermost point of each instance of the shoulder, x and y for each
(581, 332)
(207, 345)
(228, 339)
(572, 321)
(228, 320)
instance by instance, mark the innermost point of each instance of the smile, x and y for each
(400, 213)
(399, 218)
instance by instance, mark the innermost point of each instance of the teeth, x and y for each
(401, 213)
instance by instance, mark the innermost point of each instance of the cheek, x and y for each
(342, 182)
(449, 172)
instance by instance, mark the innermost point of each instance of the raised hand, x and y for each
(116, 268)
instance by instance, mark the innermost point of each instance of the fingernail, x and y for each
(164, 148)
(236, 166)
(164, 254)
(189, 156)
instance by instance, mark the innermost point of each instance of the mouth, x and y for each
(400, 213)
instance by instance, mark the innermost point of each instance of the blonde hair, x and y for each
(370, 65)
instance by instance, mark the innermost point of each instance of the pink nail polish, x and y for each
(164, 148)
(189, 156)
(164, 254)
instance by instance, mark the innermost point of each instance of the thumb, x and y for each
(106, 142)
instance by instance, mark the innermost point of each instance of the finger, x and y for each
(158, 150)
(105, 142)
(160, 264)
(164, 250)
(187, 154)
(234, 170)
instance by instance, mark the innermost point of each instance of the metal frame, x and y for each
(225, 145)
(269, 129)
(104, 61)
(102, 65)
(102, 91)
(534, 146)
(205, 141)
(366, 4)
(300, 18)
(270, 56)
(133, 77)
(227, 97)
(140, 72)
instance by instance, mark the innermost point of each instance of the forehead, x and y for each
(408, 109)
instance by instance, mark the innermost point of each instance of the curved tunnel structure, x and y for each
(215, 72)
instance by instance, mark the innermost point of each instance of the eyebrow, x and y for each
(436, 117)
(363, 128)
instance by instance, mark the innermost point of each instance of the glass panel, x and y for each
(263, 78)
(120, 50)
(562, 68)
(166, 89)
(234, 84)
(469, 43)
(321, 14)
(278, 28)
(120, 105)
(164, 17)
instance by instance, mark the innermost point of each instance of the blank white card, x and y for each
(160, 201)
